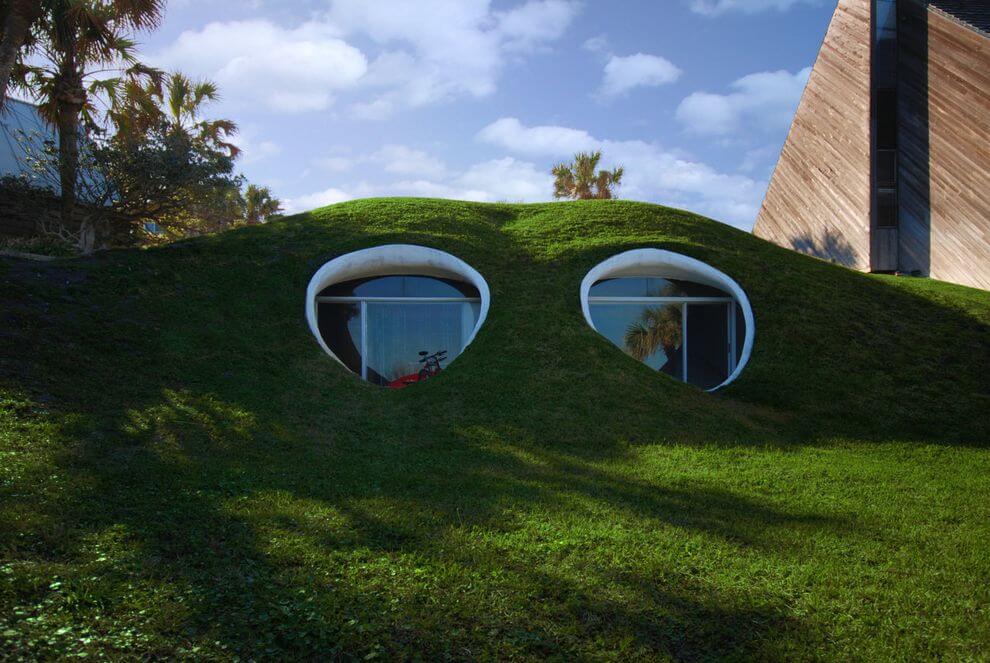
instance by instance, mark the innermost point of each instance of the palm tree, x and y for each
(177, 102)
(260, 204)
(581, 180)
(658, 327)
(19, 16)
(78, 39)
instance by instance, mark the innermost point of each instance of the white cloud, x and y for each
(764, 101)
(719, 7)
(510, 133)
(505, 179)
(403, 160)
(435, 50)
(260, 63)
(652, 173)
(623, 73)
(252, 148)
(378, 109)
(508, 179)
(535, 23)
(427, 52)
(310, 201)
(597, 44)
(396, 159)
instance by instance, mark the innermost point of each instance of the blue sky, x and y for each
(476, 99)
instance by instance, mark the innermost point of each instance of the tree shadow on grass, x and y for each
(256, 539)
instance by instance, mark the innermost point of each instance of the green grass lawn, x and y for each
(184, 472)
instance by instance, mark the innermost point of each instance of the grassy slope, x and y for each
(183, 472)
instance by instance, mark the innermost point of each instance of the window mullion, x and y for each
(364, 340)
(684, 343)
(731, 326)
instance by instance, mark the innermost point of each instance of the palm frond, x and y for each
(658, 328)
(581, 178)
(140, 14)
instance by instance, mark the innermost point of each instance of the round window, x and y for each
(398, 314)
(676, 314)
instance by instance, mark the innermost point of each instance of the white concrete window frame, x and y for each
(640, 263)
(393, 260)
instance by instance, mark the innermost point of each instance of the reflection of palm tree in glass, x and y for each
(659, 327)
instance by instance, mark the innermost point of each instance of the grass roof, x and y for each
(183, 471)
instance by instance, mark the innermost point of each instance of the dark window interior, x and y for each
(886, 119)
(886, 168)
(886, 208)
(652, 287)
(708, 344)
(340, 326)
(401, 286)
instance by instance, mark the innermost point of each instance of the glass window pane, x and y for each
(691, 289)
(379, 286)
(652, 287)
(708, 344)
(886, 208)
(886, 119)
(340, 327)
(886, 18)
(650, 333)
(885, 40)
(398, 332)
(627, 287)
(426, 286)
(886, 168)
(401, 286)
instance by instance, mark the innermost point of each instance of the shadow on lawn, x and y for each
(279, 507)
(272, 546)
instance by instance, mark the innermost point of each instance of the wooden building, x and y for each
(887, 164)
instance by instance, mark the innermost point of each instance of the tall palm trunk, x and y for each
(71, 97)
(21, 15)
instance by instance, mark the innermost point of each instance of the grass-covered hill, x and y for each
(184, 473)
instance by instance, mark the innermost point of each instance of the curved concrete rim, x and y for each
(667, 264)
(392, 260)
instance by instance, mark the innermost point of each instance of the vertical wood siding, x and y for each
(818, 201)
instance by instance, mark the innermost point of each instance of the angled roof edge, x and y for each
(973, 14)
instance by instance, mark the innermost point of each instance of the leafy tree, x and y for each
(217, 210)
(162, 176)
(19, 17)
(77, 40)
(260, 204)
(581, 179)
(200, 201)
(175, 100)
(149, 166)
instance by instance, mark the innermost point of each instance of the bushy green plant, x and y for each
(44, 245)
